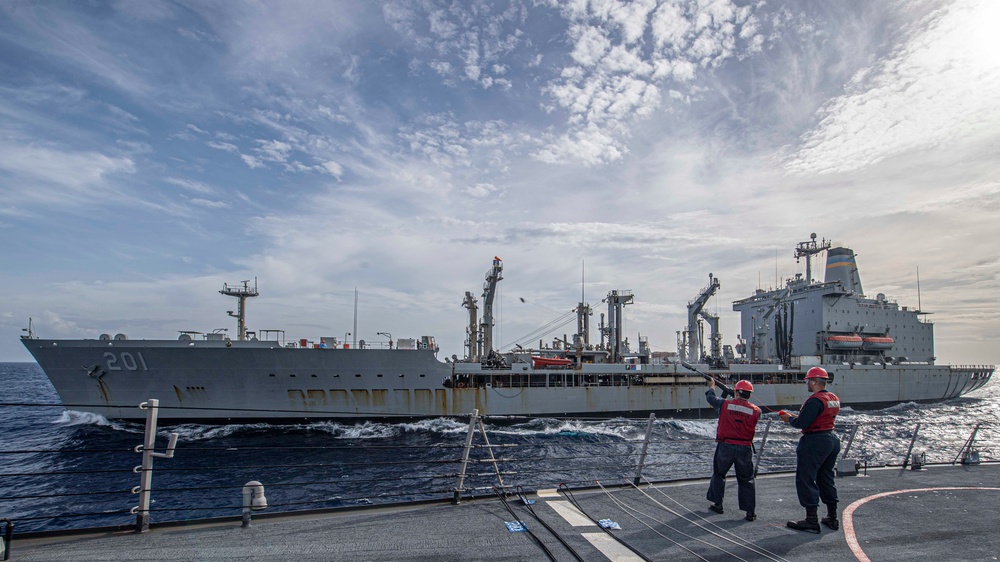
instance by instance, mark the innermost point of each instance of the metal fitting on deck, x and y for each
(8, 535)
(253, 500)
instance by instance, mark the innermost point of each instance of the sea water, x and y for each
(62, 469)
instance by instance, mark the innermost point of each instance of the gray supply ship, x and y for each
(877, 353)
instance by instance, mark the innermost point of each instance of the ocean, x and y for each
(63, 469)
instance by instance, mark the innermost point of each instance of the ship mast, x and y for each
(241, 313)
(808, 250)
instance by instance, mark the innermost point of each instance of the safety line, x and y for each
(531, 510)
(736, 539)
(503, 500)
(576, 504)
(626, 509)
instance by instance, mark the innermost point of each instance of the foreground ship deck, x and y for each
(938, 513)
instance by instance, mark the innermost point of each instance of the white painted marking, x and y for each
(614, 550)
(571, 514)
(549, 493)
(848, 515)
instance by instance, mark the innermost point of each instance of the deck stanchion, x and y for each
(489, 448)
(8, 535)
(145, 471)
(913, 440)
(967, 454)
(473, 418)
(848, 466)
(850, 441)
(760, 453)
(645, 447)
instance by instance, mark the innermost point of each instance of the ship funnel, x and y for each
(841, 266)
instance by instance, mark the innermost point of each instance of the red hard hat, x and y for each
(744, 385)
(817, 373)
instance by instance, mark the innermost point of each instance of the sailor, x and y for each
(734, 436)
(816, 453)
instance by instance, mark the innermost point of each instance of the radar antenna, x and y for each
(241, 313)
(808, 250)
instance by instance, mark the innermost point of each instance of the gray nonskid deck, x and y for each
(939, 513)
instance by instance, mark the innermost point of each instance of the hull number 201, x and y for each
(126, 361)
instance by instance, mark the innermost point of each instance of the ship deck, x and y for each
(941, 512)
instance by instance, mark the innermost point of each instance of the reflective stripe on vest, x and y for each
(737, 422)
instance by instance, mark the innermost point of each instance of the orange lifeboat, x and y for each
(844, 342)
(877, 343)
(539, 362)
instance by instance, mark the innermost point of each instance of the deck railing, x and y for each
(65, 488)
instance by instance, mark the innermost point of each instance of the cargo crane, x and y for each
(472, 335)
(693, 334)
(493, 276)
(613, 330)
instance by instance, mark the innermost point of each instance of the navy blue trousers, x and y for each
(727, 455)
(817, 457)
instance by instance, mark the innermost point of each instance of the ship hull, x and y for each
(243, 381)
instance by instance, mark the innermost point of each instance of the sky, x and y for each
(152, 151)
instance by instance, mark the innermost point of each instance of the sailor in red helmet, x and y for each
(734, 436)
(816, 453)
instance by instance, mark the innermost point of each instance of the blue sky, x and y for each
(152, 151)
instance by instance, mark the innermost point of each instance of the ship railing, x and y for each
(308, 468)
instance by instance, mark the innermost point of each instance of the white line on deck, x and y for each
(611, 548)
(571, 514)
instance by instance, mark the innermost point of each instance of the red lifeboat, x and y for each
(877, 343)
(853, 341)
(540, 362)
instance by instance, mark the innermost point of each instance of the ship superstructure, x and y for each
(832, 322)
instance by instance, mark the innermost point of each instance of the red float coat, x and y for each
(828, 416)
(737, 422)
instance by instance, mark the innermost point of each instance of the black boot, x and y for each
(831, 517)
(810, 523)
(751, 516)
(716, 507)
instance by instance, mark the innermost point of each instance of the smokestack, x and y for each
(841, 266)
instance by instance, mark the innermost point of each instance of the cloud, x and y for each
(615, 78)
(226, 146)
(937, 89)
(273, 150)
(58, 177)
(190, 185)
(482, 190)
(333, 168)
(251, 162)
(469, 42)
(209, 204)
